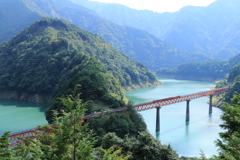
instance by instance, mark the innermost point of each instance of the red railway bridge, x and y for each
(14, 138)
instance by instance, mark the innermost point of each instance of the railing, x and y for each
(176, 99)
(139, 107)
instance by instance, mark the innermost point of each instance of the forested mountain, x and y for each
(232, 81)
(211, 30)
(53, 55)
(137, 44)
(210, 71)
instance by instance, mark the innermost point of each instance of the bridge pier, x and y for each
(187, 112)
(210, 104)
(158, 119)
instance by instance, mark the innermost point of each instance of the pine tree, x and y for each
(230, 140)
(5, 152)
(66, 139)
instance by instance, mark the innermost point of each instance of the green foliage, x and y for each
(221, 83)
(210, 71)
(5, 152)
(142, 147)
(234, 74)
(232, 82)
(67, 139)
(43, 57)
(96, 85)
(110, 154)
(234, 61)
(232, 89)
(123, 123)
(230, 139)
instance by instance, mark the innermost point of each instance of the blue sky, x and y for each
(159, 5)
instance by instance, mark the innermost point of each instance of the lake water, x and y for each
(17, 116)
(201, 132)
(187, 140)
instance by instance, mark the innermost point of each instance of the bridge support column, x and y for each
(158, 119)
(187, 112)
(210, 104)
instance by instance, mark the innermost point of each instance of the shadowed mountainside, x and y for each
(137, 44)
(211, 30)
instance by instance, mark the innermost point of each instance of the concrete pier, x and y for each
(210, 104)
(187, 112)
(158, 120)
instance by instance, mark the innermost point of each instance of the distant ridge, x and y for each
(137, 44)
(212, 30)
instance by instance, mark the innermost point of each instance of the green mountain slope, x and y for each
(51, 54)
(210, 30)
(232, 80)
(137, 44)
(210, 72)
(14, 17)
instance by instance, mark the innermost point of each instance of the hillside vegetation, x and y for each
(232, 82)
(210, 71)
(51, 54)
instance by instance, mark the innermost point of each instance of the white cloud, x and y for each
(159, 5)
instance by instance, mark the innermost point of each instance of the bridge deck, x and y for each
(139, 107)
(176, 99)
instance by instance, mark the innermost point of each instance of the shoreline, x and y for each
(25, 96)
(48, 98)
(202, 79)
(140, 86)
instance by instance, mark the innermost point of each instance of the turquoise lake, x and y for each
(17, 116)
(187, 140)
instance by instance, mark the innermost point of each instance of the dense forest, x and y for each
(230, 79)
(210, 71)
(42, 57)
(232, 82)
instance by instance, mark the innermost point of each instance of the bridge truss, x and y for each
(14, 138)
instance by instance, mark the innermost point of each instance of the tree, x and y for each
(127, 122)
(5, 152)
(230, 143)
(142, 147)
(66, 139)
(110, 154)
